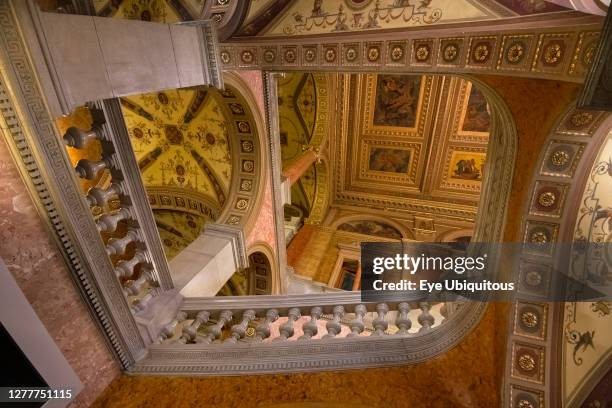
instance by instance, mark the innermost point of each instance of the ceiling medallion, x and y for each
(373, 54)
(247, 57)
(351, 54)
(559, 158)
(330, 55)
(246, 185)
(247, 146)
(242, 204)
(225, 57)
(269, 56)
(526, 362)
(450, 53)
(290, 56)
(397, 52)
(523, 403)
(310, 55)
(217, 17)
(533, 278)
(529, 319)
(515, 52)
(422, 53)
(538, 237)
(233, 220)
(547, 199)
(552, 53)
(580, 119)
(248, 166)
(481, 52)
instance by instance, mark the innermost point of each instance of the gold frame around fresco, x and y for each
(370, 99)
(466, 92)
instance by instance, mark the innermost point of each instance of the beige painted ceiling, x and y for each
(289, 18)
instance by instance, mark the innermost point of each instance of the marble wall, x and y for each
(262, 229)
(38, 267)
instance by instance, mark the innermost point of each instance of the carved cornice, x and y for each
(42, 159)
(553, 50)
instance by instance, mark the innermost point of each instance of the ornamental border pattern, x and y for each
(39, 156)
(548, 53)
(531, 352)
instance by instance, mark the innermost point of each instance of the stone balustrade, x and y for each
(299, 317)
(136, 274)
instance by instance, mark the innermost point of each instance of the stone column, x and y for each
(298, 167)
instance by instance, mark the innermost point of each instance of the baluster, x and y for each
(125, 269)
(89, 169)
(136, 286)
(286, 330)
(168, 330)
(239, 330)
(108, 222)
(379, 323)
(118, 246)
(356, 324)
(425, 319)
(99, 197)
(190, 333)
(333, 326)
(214, 332)
(263, 329)
(77, 138)
(310, 327)
(141, 304)
(403, 322)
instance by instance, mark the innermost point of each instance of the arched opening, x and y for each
(256, 279)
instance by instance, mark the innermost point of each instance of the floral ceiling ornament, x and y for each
(516, 52)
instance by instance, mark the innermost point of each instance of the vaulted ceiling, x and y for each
(182, 144)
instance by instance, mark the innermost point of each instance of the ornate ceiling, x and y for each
(297, 108)
(180, 138)
(161, 11)
(414, 146)
(287, 18)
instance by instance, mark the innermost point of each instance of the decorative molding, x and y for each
(507, 52)
(549, 216)
(41, 157)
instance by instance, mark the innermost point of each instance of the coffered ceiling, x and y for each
(410, 146)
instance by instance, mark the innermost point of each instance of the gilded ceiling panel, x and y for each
(411, 145)
(177, 230)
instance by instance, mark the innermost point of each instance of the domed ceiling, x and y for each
(181, 141)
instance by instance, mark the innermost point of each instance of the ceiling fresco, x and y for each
(304, 190)
(160, 11)
(177, 230)
(181, 141)
(297, 107)
(286, 18)
(404, 153)
(586, 348)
